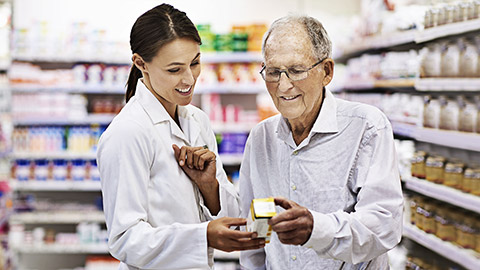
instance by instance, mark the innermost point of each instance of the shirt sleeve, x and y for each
(375, 225)
(249, 259)
(229, 199)
(124, 157)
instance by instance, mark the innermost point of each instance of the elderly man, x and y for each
(329, 163)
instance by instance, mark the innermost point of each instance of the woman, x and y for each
(166, 197)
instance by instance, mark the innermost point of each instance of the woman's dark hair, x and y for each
(151, 31)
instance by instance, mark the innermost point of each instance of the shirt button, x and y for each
(295, 152)
(294, 257)
(294, 187)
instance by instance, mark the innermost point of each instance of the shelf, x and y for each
(466, 258)
(449, 138)
(407, 37)
(58, 217)
(53, 155)
(231, 159)
(232, 127)
(444, 193)
(447, 84)
(368, 84)
(231, 57)
(51, 185)
(100, 248)
(93, 89)
(101, 119)
(447, 30)
(233, 88)
(207, 57)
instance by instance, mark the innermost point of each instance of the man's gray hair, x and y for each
(322, 46)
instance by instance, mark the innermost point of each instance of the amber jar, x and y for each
(466, 235)
(413, 208)
(476, 182)
(444, 223)
(434, 169)
(453, 175)
(418, 164)
(477, 234)
(419, 209)
(468, 180)
(429, 225)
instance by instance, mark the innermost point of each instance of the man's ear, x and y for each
(328, 70)
(139, 62)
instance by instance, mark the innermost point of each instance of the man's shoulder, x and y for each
(267, 124)
(356, 111)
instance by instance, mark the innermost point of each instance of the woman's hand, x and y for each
(220, 236)
(199, 164)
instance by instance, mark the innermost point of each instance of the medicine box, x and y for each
(261, 210)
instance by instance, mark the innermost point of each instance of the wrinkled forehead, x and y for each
(288, 42)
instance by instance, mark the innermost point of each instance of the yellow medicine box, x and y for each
(261, 210)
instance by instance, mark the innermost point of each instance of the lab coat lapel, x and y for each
(190, 127)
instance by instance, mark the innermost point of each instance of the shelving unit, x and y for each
(58, 217)
(415, 39)
(466, 258)
(408, 37)
(444, 193)
(63, 249)
(57, 186)
(455, 139)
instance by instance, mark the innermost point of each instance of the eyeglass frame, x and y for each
(286, 72)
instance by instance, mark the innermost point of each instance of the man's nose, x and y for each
(284, 82)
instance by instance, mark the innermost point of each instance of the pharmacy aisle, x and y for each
(425, 76)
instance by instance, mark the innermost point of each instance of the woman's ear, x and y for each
(139, 62)
(328, 70)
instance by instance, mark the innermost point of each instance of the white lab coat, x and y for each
(155, 215)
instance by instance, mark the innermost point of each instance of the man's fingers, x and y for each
(283, 202)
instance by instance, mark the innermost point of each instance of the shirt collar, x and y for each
(159, 114)
(150, 104)
(326, 121)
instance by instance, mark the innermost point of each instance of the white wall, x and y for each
(117, 16)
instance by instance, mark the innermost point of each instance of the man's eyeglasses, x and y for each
(293, 73)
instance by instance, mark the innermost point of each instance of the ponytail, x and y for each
(135, 74)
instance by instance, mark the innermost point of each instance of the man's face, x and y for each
(289, 46)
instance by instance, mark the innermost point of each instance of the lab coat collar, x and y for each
(158, 114)
(326, 122)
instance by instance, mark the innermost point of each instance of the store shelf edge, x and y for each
(466, 258)
(444, 193)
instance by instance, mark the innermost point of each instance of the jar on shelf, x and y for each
(78, 169)
(41, 169)
(466, 233)
(434, 169)
(444, 224)
(418, 164)
(413, 209)
(59, 171)
(467, 116)
(468, 180)
(22, 169)
(431, 112)
(453, 176)
(449, 114)
(419, 217)
(477, 233)
(476, 182)
(429, 225)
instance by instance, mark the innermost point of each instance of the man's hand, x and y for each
(220, 236)
(293, 226)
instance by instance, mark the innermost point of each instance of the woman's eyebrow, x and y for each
(180, 64)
